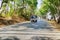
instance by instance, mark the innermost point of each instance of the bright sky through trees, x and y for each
(39, 3)
(0, 2)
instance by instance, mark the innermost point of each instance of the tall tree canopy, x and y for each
(19, 7)
(50, 5)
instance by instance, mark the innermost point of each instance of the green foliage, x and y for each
(5, 1)
(20, 8)
(32, 4)
(50, 5)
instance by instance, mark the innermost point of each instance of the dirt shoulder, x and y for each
(14, 20)
(55, 25)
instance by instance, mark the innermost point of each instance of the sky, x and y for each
(39, 4)
(0, 2)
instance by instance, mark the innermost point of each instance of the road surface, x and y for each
(40, 25)
(30, 31)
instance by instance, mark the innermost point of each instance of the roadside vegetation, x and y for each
(15, 11)
(52, 6)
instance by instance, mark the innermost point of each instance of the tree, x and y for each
(51, 5)
(20, 7)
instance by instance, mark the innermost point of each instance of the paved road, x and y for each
(30, 27)
(23, 30)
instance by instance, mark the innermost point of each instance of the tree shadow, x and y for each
(38, 25)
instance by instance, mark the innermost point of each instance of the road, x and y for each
(42, 25)
(26, 30)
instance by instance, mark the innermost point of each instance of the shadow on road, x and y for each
(37, 25)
